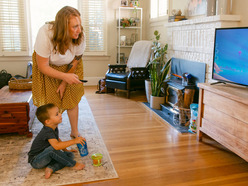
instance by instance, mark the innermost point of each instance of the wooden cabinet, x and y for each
(129, 30)
(17, 111)
(223, 116)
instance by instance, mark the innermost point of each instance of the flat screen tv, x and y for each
(230, 60)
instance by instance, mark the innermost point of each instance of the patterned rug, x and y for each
(14, 169)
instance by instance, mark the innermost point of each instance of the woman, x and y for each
(57, 64)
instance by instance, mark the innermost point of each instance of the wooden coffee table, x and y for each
(17, 111)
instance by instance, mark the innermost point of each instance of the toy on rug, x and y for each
(83, 150)
(97, 159)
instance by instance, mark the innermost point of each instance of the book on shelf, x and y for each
(176, 18)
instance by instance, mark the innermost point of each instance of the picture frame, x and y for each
(124, 2)
(122, 58)
(196, 7)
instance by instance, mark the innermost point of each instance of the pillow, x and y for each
(140, 54)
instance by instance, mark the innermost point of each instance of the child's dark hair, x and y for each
(42, 112)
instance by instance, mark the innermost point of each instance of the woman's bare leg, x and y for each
(73, 117)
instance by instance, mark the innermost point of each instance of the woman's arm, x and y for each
(71, 69)
(43, 65)
(72, 66)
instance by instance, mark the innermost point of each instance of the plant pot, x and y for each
(156, 101)
(148, 89)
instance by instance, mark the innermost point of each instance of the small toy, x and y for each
(193, 119)
(83, 150)
(97, 159)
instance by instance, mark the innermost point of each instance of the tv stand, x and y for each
(223, 116)
(217, 82)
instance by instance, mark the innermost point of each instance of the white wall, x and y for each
(96, 67)
(239, 7)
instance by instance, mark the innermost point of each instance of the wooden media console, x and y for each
(223, 116)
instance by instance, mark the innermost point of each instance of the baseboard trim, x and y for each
(92, 81)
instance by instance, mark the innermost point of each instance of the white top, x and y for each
(43, 47)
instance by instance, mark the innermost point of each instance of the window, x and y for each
(94, 21)
(159, 8)
(41, 13)
(13, 28)
(14, 23)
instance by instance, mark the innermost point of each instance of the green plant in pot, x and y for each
(159, 69)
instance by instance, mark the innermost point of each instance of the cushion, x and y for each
(117, 76)
(140, 54)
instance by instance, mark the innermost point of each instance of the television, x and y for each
(230, 56)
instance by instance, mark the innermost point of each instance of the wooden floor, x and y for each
(147, 151)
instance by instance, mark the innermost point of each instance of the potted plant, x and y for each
(159, 69)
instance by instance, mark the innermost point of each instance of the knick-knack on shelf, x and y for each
(223, 7)
(211, 7)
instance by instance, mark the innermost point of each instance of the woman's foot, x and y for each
(78, 166)
(48, 172)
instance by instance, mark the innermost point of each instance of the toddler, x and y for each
(47, 150)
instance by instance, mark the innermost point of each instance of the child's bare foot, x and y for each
(48, 172)
(78, 166)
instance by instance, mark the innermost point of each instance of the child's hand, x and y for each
(80, 140)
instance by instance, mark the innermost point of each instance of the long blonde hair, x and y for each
(61, 39)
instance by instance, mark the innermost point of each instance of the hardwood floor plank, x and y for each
(145, 150)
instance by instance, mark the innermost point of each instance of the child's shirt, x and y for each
(40, 143)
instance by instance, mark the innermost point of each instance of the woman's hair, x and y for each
(61, 39)
(42, 112)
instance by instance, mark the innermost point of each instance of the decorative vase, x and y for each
(156, 101)
(223, 7)
(148, 89)
(211, 7)
(134, 3)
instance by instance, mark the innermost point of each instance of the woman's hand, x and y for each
(71, 78)
(61, 89)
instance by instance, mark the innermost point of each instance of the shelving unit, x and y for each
(131, 33)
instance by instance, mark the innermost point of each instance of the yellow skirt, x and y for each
(44, 87)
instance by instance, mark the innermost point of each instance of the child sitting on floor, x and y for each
(47, 149)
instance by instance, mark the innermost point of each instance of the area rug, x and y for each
(168, 119)
(14, 169)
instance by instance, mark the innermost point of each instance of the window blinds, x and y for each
(13, 29)
(163, 8)
(94, 23)
(158, 8)
(14, 39)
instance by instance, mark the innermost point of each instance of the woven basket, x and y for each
(20, 84)
(182, 117)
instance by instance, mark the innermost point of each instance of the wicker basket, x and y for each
(182, 117)
(20, 84)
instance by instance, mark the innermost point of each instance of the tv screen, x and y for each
(230, 60)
